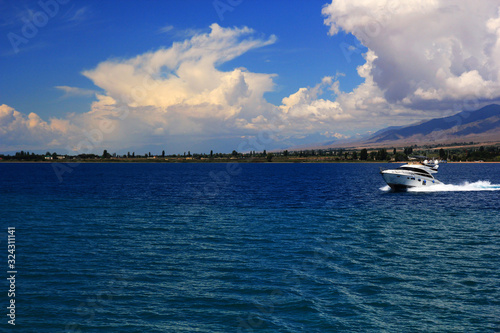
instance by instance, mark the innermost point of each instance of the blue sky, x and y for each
(66, 46)
(302, 71)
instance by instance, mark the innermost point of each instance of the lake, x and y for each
(159, 247)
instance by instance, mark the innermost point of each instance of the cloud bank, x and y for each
(178, 93)
(430, 54)
(425, 58)
(21, 131)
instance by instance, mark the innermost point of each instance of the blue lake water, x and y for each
(250, 247)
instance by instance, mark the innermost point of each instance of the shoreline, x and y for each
(230, 161)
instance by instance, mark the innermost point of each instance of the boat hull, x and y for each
(400, 181)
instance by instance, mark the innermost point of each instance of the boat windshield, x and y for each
(418, 171)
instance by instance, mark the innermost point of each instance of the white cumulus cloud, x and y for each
(304, 112)
(423, 57)
(21, 131)
(75, 91)
(430, 54)
(181, 90)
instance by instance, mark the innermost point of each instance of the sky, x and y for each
(222, 75)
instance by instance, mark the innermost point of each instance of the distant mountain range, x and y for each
(481, 125)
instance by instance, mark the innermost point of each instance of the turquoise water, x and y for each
(251, 247)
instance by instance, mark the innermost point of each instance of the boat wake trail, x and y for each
(481, 185)
(465, 187)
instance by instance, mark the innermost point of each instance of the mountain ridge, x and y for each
(461, 119)
(482, 125)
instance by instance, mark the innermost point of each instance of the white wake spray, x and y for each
(482, 185)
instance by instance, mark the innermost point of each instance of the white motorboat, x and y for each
(413, 174)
